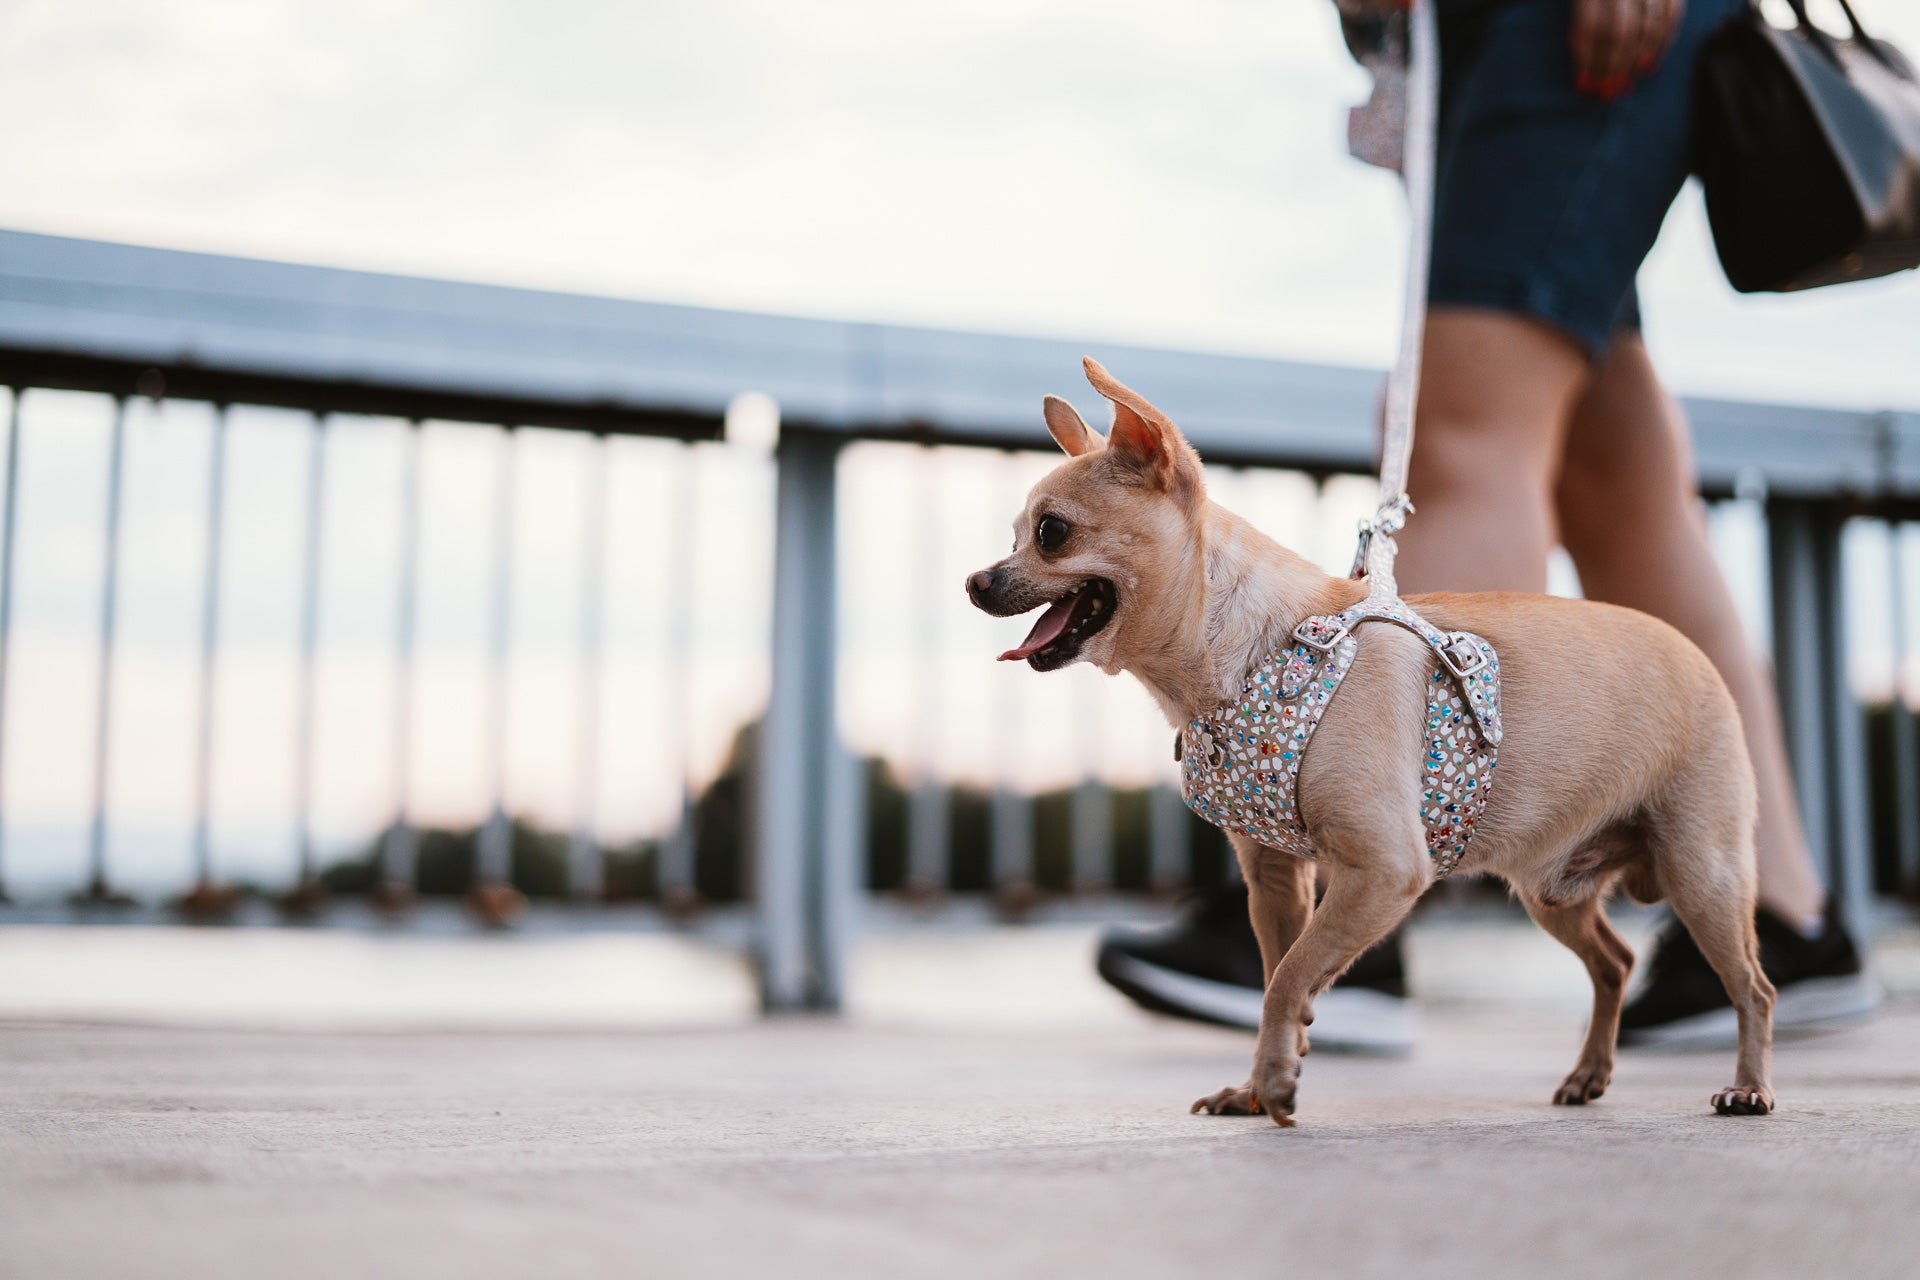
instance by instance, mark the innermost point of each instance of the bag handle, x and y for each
(1799, 8)
(1859, 32)
(1825, 41)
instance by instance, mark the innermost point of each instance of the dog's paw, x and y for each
(1743, 1100)
(1239, 1100)
(1582, 1086)
(1277, 1087)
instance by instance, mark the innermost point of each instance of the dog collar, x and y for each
(1240, 762)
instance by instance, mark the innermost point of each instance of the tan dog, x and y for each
(1622, 760)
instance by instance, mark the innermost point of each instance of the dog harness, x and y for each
(1240, 762)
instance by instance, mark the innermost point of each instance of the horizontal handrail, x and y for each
(122, 318)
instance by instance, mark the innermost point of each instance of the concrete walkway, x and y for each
(804, 1148)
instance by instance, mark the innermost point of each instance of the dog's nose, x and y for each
(979, 580)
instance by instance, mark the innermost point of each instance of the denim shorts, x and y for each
(1546, 199)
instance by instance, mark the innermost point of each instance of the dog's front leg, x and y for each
(1279, 902)
(1363, 902)
(1279, 898)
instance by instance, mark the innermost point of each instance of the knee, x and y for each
(1454, 453)
(1592, 499)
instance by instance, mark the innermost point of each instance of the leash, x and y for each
(1240, 761)
(1373, 559)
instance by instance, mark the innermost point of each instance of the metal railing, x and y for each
(136, 324)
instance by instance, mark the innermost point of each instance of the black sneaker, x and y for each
(1683, 1004)
(1207, 967)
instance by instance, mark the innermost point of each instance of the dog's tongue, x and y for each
(1044, 632)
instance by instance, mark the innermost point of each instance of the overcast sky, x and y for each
(1155, 173)
(1171, 174)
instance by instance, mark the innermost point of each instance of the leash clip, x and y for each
(1392, 516)
(1390, 519)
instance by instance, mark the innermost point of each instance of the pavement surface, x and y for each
(868, 1148)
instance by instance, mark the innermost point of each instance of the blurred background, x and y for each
(330, 597)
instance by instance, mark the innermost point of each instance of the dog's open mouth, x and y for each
(1068, 623)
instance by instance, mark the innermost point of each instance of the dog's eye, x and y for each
(1051, 533)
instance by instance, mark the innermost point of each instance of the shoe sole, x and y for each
(1810, 1005)
(1345, 1019)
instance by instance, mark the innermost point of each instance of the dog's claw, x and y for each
(1580, 1088)
(1741, 1100)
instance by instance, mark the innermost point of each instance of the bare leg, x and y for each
(1583, 927)
(1495, 394)
(1502, 398)
(1631, 518)
(1279, 902)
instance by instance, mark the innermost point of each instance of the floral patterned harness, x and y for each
(1240, 763)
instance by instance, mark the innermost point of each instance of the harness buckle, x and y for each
(1472, 665)
(1306, 637)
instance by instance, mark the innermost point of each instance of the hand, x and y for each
(1616, 42)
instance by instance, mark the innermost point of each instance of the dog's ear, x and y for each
(1069, 430)
(1144, 442)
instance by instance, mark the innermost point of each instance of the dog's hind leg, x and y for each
(1699, 835)
(1720, 917)
(1583, 927)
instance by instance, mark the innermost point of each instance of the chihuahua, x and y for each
(1622, 760)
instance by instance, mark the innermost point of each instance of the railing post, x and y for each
(207, 900)
(395, 889)
(1819, 713)
(493, 854)
(835, 904)
(1012, 839)
(97, 890)
(1092, 845)
(585, 872)
(11, 498)
(675, 881)
(803, 824)
(1906, 742)
(1012, 874)
(493, 899)
(1846, 743)
(1170, 840)
(307, 894)
(930, 802)
(1901, 729)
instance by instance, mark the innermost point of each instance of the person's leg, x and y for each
(1630, 516)
(1496, 391)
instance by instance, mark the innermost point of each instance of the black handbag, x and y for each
(1808, 148)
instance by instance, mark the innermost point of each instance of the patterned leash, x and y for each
(1373, 560)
